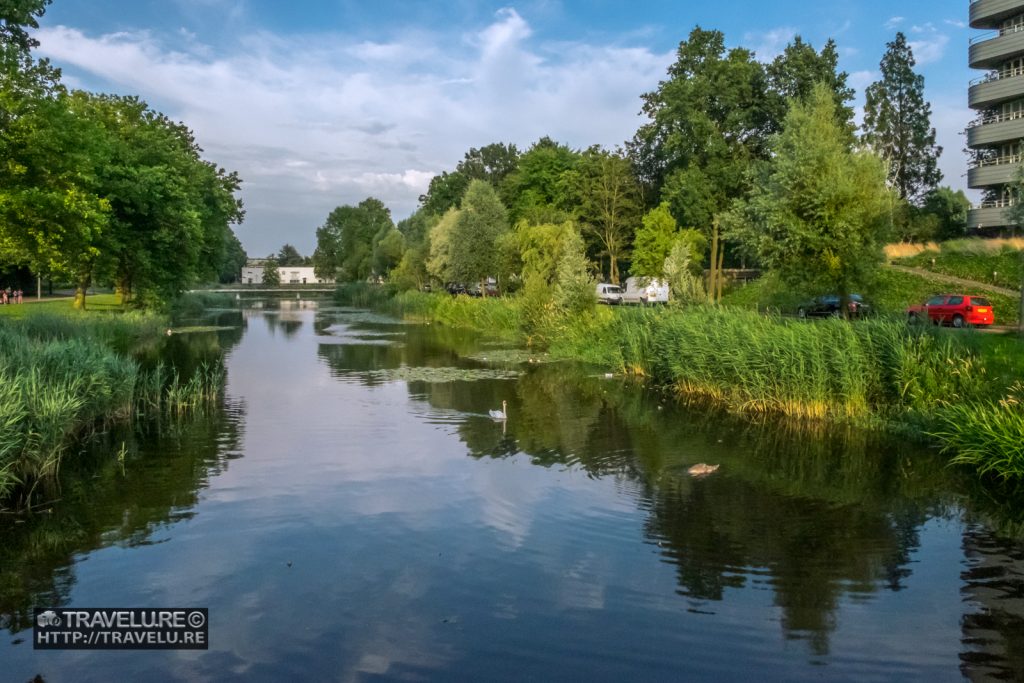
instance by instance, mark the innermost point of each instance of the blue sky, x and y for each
(318, 103)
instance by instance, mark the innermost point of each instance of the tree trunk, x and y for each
(613, 268)
(720, 278)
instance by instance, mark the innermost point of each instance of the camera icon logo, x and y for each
(48, 618)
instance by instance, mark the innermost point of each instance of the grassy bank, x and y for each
(63, 376)
(956, 389)
(993, 262)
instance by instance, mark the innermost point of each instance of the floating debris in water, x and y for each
(506, 357)
(702, 470)
(445, 374)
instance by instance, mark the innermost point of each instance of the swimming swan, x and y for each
(500, 414)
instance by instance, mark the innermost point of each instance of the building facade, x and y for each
(996, 136)
(290, 275)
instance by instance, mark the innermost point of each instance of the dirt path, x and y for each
(952, 280)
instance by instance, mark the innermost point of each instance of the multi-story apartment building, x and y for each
(996, 137)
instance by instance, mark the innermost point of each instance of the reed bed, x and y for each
(56, 387)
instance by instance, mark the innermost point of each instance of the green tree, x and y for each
(445, 192)
(170, 211)
(15, 17)
(288, 255)
(653, 242)
(708, 121)
(950, 209)
(474, 239)
(574, 283)
(271, 274)
(897, 124)
(686, 286)
(52, 215)
(537, 190)
(606, 197)
(346, 240)
(387, 251)
(438, 262)
(492, 163)
(233, 260)
(820, 216)
(793, 74)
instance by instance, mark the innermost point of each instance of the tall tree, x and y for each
(708, 121)
(347, 238)
(536, 190)
(653, 242)
(793, 74)
(289, 256)
(493, 163)
(821, 213)
(897, 124)
(606, 199)
(479, 225)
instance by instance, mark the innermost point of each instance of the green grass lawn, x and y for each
(972, 260)
(93, 303)
(893, 292)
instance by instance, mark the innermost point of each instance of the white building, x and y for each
(290, 275)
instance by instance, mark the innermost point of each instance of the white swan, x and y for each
(500, 414)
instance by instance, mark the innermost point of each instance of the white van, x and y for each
(645, 290)
(609, 294)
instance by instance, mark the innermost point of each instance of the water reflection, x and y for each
(432, 542)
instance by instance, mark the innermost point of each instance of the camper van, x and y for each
(645, 290)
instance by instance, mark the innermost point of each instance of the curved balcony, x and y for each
(997, 130)
(991, 50)
(987, 218)
(992, 174)
(985, 94)
(991, 13)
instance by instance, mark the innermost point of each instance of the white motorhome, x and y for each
(645, 290)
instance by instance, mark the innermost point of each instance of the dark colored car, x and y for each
(958, 310)
(828, 305)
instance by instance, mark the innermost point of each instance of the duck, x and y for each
(500, 414)
(702, 470)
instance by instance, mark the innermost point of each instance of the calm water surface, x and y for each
(351, 513)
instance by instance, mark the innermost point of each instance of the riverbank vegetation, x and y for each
(959, 391)
(102, 189)
(63, 377)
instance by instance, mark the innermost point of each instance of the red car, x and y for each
(958, 310)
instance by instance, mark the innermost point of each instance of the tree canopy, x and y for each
(897, 124)
(819, 216)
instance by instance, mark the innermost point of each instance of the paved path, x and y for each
(959, 281)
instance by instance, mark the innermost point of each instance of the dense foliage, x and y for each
(101, 188)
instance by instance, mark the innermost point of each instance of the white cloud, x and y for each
(859, 80)
(930, 45)
(956, 23)
(327, 119)
(894, 22)
(767, 45)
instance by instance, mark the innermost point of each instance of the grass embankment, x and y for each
(989, 261)
(62, 376)
(882, 371)
(893, 292)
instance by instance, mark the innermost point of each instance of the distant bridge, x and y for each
(266, 290)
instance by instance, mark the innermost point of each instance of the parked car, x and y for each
(958, 310)
(828, 305)
(609, 294)
(644, 290)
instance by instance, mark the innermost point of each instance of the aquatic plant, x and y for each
(61, 378)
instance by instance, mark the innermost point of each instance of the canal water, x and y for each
(352, 513)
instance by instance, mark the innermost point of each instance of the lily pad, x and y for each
(444, 374)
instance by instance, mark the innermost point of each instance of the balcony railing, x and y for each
(992, 35)
(995, 118)
(998, 204)
(999, 161)
(998, 75)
